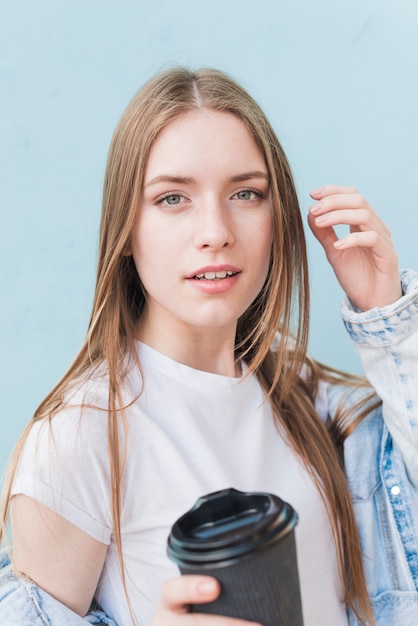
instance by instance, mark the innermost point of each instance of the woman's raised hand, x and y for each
(365, 261)
(178, 593)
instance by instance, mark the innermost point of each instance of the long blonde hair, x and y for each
(283, 304)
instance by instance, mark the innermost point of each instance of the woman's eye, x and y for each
(171, 199)
(247, 194)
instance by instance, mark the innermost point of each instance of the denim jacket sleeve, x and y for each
(380, 455)
(22, 603)
(387, 342)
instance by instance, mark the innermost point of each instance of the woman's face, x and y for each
(202, 240)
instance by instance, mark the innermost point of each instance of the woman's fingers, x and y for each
(367, 230)
(178, 592)
(338, 201)
(325, 235)
(358, 220)
(365, 260)
(366, 239)
(350, 209)
(327, 190)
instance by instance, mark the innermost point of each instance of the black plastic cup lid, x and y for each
(228, 524)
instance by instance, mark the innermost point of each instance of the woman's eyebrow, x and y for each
(164, 178)
(185, 180)
(248, 176)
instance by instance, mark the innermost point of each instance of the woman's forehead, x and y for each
(204, 139)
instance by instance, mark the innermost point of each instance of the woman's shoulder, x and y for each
(82, 412)
(64, 461)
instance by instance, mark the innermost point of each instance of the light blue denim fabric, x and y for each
(22, 603)
(381, 456)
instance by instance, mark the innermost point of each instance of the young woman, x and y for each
(194, 377)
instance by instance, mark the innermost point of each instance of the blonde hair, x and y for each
(283, 304)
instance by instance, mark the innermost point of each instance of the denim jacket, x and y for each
(381, 456)
(381, 462)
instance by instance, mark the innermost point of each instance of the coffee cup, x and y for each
(246, 540)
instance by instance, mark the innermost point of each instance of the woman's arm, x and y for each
(387, 342)
(381, 313)
(66, 563)
(59, 557)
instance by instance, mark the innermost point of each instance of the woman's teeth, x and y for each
(214, 275)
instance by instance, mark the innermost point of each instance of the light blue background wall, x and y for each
(337, 78)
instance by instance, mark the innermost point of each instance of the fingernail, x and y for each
(321, 218)
(206, 587)
(315, 208)
(339, 243)
(317, 192)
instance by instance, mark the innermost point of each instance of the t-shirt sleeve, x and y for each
(65, 466)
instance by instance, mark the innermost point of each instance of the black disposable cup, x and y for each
(247, 542)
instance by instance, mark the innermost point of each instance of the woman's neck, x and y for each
(209, 350)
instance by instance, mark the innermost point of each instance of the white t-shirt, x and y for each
(189, 433)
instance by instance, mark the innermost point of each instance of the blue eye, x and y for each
(244, 195)
(248, 194)
(170, 199)
(173, 199)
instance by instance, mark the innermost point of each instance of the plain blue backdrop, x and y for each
(337, 78)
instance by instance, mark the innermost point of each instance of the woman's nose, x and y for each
(213, 227)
